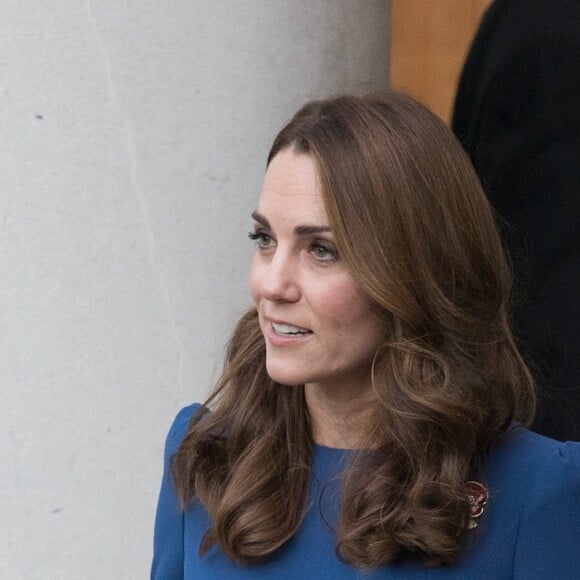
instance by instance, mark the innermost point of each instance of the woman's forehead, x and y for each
(292, 173)
(291, 189)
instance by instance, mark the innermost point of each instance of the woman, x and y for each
(365, 422)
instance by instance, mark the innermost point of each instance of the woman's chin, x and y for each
(290, 377)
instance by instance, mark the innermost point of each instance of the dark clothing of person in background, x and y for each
(517, 113)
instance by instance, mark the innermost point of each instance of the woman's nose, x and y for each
(280, 278)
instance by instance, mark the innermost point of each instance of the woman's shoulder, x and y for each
(179, 426)
(524, 450)
(528, 470)
(534, 486)
(531, 522)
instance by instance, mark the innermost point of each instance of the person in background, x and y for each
(369, 421)
(517, 114)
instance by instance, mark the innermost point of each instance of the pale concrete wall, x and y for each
(132, 146)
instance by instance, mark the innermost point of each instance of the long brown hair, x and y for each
(413, 226)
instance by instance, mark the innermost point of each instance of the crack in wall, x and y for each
(136, 187)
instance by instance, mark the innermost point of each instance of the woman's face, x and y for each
(318, 325)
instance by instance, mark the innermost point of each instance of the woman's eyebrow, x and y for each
(257, 216)
(305, 230)
(309, 230)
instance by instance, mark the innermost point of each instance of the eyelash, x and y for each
(259, 236)
(264, 239)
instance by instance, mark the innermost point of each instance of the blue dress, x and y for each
(530, 529)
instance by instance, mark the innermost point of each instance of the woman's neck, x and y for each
(338, 416)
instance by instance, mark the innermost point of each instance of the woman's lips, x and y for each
(283, 334)
(283, 328)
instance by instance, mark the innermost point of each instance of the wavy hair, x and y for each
(413, 226)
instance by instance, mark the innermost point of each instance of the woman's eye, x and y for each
(263, 239)
(324, 253)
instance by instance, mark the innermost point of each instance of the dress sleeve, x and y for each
(168, 535)
(548, 545)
